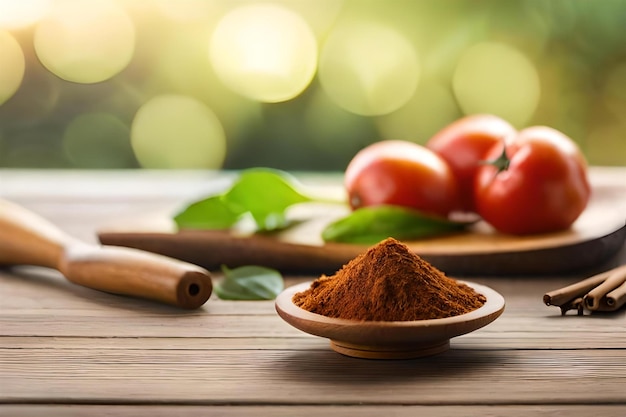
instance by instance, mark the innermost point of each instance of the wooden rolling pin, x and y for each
(27, 239)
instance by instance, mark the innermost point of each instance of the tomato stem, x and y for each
(501, 163)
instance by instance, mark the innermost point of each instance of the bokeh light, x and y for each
(17, 14)
(98, 140)
(187, 71)
(368, 69)
(319, 14)
(297, 84)
(430, 109)
(176, 131)
(85, 41)
(11, 66)
(36, 100)
(187, 10)
(264, 52)
(498, 79)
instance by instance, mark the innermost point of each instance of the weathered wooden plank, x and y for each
(207, 325)
(56, 410)
(311, 377)
(148, 344)
(30, 287)
(493, 341)
(38, 289)
(65, 310)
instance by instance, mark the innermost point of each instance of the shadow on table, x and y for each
(322, 366)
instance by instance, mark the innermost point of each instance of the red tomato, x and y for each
(404, 174)
(463, 145)
(544, 188)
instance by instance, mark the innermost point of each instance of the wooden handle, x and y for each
(27, 239)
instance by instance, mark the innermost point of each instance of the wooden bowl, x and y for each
(389, 339)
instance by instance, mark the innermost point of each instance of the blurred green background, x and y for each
(297, 84)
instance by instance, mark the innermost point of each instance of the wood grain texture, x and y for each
(55, 410)
(46, 305)
(318, 376)
(69, 350)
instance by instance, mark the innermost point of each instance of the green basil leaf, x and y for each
(370, 225)
(249, 283)
(265, 194)
(210, 213)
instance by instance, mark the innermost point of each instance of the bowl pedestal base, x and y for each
(390, 352)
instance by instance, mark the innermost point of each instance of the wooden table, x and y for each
(67, 350)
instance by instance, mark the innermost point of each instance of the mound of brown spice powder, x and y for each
(388, 283)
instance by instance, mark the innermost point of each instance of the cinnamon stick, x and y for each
(570, 293)
(595, 297)
(616, 298)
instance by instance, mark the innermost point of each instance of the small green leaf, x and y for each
(249, 283)
(266, 194)
(210, 213)
(370, 225)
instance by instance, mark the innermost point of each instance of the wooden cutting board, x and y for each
(593, 239)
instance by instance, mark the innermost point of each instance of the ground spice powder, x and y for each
(388, 283)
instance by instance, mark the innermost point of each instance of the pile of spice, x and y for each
(388, 283)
